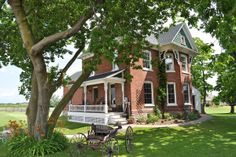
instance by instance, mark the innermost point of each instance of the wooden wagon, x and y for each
(101, 137)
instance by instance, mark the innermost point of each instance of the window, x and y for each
(171, 94)
(95, 94)
(182, 40)
(169, 60)
(186, 93)
(114, 65)
(148, 93)
(183, 59)
(147, 65)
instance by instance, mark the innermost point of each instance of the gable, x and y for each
(184, 33)
(178, 39)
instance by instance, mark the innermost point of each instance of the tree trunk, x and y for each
(44, 96)
(204, 92)
(31, 111)
(203, 105)
(62, 104)
(231, 108)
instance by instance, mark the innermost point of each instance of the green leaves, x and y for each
(202, 67)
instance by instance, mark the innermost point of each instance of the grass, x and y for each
(6, 116)
(214, 138)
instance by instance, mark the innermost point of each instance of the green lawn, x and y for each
(63, 125)
(6, 116)
(216, 138)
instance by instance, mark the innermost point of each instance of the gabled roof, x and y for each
(109, 74)
(105, 75)
(168, 37)
(172, 37)
(75, 76)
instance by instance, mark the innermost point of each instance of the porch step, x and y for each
(113, 119)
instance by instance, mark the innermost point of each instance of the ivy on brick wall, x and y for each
(161, 89)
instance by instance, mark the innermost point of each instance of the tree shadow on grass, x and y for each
(213, 138)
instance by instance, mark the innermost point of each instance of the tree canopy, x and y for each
(35, 33)
(202, 69)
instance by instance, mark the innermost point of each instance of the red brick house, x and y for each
(103, 98)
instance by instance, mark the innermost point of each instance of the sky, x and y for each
(9, 76)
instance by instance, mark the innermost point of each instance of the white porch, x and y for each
(99, 112)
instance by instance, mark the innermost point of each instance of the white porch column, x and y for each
(85, 97)
(123, 96)
(106, 102)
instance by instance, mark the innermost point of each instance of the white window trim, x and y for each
(171, 104)
(147, 105)
(189, 103)
(186, 60)
(150, 59)
(173, 61)
(184, 40)
(113, 64)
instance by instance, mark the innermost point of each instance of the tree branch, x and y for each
(68, 65)
(64, 101)
(37, 48)
(23, 24)
(1, 4)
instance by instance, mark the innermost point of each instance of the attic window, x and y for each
(182, 40)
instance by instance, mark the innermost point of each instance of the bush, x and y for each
(157, 112)
(141, 119)
(192, 116)
(131, 120)
(178, 116)
(168, 116)
(25, 145)
(151, 118)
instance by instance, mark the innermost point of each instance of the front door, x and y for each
(113, 97)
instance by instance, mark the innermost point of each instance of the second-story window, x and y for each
(114, 65)
(147, 60)
(169, 60)
(183, 59)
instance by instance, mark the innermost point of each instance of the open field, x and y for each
(214, 138)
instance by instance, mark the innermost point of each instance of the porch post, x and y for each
(106, 104)
(85, 97)
(123, 95)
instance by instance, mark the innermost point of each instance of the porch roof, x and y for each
(105, 77)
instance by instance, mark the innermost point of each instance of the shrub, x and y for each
(168, 116)
(178, 116)
(151, 118)
(157, 111)
(192, 116)
(141, 119)
(25, 145)
(131, 120)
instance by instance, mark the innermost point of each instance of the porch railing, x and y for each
(87, 108)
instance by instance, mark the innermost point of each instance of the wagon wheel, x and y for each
(111, 148)
(80, 139)
(78, 143)
(129, 136)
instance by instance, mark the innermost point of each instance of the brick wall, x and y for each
(134, 90)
